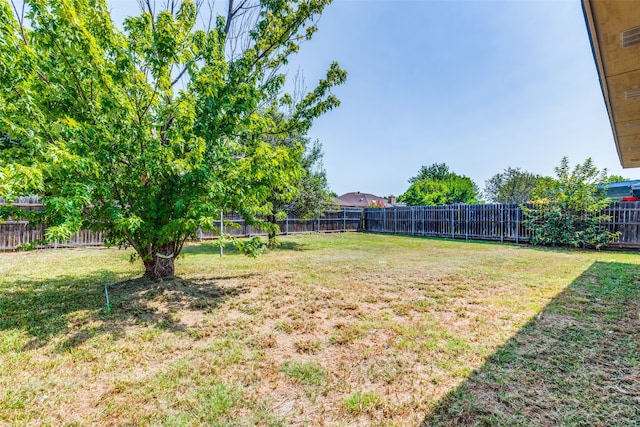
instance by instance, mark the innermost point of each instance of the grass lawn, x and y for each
(343, 329)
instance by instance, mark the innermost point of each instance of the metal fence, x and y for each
(488, 222)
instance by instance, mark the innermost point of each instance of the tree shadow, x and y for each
(576, 363)
(213, 248)
(72, 310)
(288, 245)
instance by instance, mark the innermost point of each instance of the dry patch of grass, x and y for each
(350, 329)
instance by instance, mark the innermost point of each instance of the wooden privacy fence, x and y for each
(16, 234)
(348, 219)
(476, 222)
(488, 222)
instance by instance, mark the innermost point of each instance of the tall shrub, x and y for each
(568, 210)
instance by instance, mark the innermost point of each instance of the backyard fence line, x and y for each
(17, 234)
(494, 222)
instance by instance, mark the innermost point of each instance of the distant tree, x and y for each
(437, 184)
(436, 172)
(568, 209)
(616, 178)
(428, 192)
(511, 186)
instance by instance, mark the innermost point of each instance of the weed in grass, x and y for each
(344, 333)
(284, 326)
(267, 341)
(304, 326)
(362, 402)
(309, 373)
(309, 346)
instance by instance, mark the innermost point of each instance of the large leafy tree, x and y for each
(151, 131)
(435, 172)
(438, 185)
(304, 193)
(568, 210)
(513, 185)
(314, 196)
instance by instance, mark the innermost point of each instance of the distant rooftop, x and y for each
(359, 200)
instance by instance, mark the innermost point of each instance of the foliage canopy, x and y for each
(438, 185)
(511, 186)
(151, 131)
(306, 193)
(568, 210)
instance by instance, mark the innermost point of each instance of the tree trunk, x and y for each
(272, 242)
(161, 264)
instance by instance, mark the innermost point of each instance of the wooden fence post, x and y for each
(501, 223)
(466, 222)
(384, 220)
(344, 219)
(413, 222)
(518, 211)
(395, 221)
(453, 233)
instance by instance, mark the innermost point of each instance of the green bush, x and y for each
(568, 210)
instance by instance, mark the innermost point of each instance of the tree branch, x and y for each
(73, 72)
(20, 18)
(177, 79)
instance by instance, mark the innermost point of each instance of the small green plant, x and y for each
(308, 373)
(253, 247)
(30, 246)
(362, 402)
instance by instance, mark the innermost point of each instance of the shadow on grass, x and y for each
(288, 245)
(577, 363)
(72, 310)
(213, 248)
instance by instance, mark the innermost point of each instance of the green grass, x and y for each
(576, 363)
(345, 329)
(309, 373)
(359, 402)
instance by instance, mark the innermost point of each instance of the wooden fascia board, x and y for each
(592, 30)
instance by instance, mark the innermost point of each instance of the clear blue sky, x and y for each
(479, 85)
